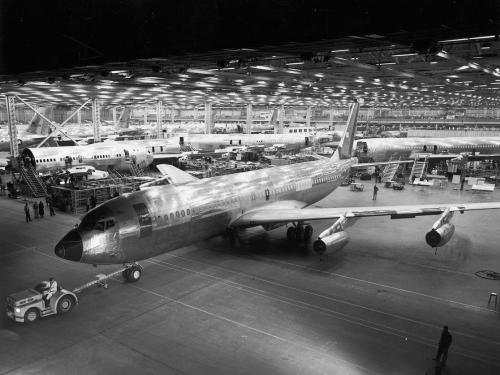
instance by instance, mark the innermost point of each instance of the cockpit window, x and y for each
(97, 218)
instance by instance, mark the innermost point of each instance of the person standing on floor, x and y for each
(444, 345)
(375, 191)
(27, 212)
(35, 209)
(51, 208)
(41, 209)
(87, 203)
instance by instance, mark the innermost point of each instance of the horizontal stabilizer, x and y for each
(175, 175)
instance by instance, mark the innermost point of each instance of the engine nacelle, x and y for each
(440, 236)
(332, 242)
(441, 231)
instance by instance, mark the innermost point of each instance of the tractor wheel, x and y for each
(65, 304)
(32, 315)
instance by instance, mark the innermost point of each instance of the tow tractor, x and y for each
(28, 306)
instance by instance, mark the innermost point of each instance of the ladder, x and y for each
(389, 172)
(419, 168)
(34, 183)
(135, 170)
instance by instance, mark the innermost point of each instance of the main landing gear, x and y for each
(299, 232)
(132, 273)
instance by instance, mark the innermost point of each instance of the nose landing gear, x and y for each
(133, 272)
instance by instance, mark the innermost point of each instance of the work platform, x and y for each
(264, 305)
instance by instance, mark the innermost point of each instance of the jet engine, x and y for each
(442, 230)
(333, 238)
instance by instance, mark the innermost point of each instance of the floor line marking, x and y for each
(338, 315)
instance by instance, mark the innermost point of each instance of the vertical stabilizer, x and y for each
(344, 151)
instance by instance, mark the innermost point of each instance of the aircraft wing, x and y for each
(175, 175)
(270, 215)
(382, 163)
(166, 156)
(475, 157)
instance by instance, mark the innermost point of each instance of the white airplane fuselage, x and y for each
(146, 223)
(382, 149)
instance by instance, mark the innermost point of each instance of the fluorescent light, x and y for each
(339, 50)
(467, 39)
(387, 63)
(262, 67)
(463, 67)
(405, 54)
(296, 63)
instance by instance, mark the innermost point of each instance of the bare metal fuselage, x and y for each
(382, 149)
(163, 218)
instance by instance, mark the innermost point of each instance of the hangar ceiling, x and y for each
(435, 67)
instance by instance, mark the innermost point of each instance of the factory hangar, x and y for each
(260, 302)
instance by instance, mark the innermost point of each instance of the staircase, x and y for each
(419, 168)
(135, 170)
(36, 187)
(389, 172)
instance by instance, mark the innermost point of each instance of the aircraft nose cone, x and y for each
(70, 247)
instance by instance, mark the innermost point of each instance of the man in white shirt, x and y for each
(49, 292)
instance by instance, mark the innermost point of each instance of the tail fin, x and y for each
(344, 151)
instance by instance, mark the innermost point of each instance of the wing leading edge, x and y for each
(270, 215)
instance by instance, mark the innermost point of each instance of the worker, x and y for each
(443, 346)
(375, 191)
(27, 212)
(49, 292)
(35, 209)
(41, 209)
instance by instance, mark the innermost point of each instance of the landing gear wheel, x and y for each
(290, 234)
(32, 315)
(65, 305)
(299, 233)
(132, 274)
(308, 232)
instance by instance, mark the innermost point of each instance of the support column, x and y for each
(208, 118)
(248, 128)
(159, 117)
(330, 120)
(115, 117)
(79, 117)
(308, 116)
(281, 119)
(11, 121)
(145, 116)
(96, 119)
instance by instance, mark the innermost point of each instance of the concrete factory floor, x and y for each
(266, 306)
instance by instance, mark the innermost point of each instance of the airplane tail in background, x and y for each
(274, 117)
(344, 150)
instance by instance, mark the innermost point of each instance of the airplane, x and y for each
(116, 155)
(146, 223)
(212, 142)
(382, 149)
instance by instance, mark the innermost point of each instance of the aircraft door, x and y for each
(435, 149)
(307, 141)
(145, 221)
(181, 141)
(68, 161)
(425, 148)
